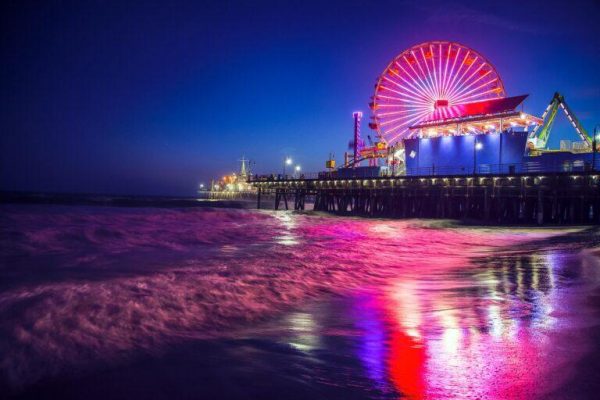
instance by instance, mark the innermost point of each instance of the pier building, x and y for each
(451, 144)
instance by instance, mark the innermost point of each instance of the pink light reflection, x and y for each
(439, 344)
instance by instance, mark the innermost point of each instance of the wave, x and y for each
(89, 285)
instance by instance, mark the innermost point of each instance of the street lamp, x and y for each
(287, 161)
(201, 186)
(297, 168)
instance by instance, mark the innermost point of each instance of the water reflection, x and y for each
(287, 235)
(304, 331)
(357, 308)
(482, 335)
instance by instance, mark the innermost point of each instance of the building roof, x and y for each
(468, 111)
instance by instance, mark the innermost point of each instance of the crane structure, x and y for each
(538, 139)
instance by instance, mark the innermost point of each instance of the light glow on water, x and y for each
(427, 309)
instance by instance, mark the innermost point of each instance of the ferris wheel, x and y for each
(428, 77)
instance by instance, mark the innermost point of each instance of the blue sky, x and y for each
(153, 98)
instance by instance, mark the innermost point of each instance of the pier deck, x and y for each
(530, 198)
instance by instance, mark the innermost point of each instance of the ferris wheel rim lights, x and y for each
(427, 77)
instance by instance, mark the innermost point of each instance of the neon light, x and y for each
(408, 90)
(434, 75)
(474, 82)
(423, 73)
(426, 92)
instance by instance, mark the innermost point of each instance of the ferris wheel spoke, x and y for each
(405, 126)
(476, 90)
(411, 112)
(408, 122)
(466, 83)
(403, 118)
(445, 76)
(429, 74)
(476, 96)
(423, 93)
(414, 78)
(393, 90)
(411, 100)
(405, 107)
(398, 105)
(458, 95)
(422, 83)
(452, 71)
(441, 71)
(424, 74)
(383, 96)
(397, 102)
(435, 79)
(407, 119)
(405, 111)
(457, 82)
(419, 95)
(404, 94)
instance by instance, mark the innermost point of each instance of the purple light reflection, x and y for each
(438, 310)
(502, 343)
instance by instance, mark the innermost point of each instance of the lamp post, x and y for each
(297, 171)
(287, 161)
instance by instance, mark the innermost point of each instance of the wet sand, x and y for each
(244, 304)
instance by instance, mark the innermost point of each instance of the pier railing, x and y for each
(566, 193)
(481, 169)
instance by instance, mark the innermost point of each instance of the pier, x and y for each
(559, 198)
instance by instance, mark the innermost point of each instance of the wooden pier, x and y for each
(556, 198)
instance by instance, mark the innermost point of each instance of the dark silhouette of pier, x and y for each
(559, 198)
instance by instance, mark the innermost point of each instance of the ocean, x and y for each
(169, 301)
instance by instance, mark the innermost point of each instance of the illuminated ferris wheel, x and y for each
(426, 80)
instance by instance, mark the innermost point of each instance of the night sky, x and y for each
(154, 98)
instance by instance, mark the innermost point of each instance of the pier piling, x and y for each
(557, 198)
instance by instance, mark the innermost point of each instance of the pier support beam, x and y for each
(558, 198)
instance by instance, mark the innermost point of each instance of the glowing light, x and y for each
(479, 146)
(297, 168)
(428, 77)
(288, 161)
(412, 154)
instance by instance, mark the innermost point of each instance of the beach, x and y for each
(202, 302)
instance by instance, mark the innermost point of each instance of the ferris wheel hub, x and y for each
(440, 104)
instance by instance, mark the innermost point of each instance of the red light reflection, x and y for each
(441, 344)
